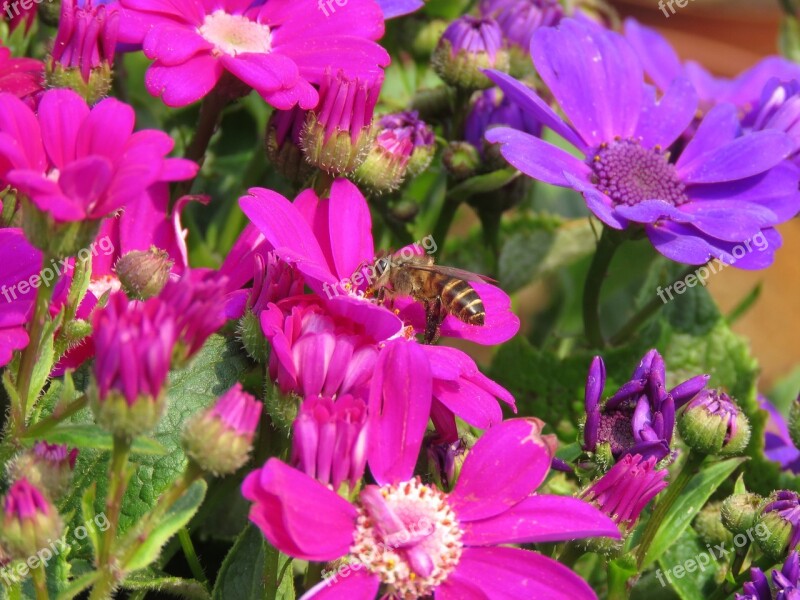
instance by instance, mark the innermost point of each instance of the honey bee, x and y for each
(442, 291)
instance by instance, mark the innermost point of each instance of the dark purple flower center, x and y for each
(629, 173)
(615, 428)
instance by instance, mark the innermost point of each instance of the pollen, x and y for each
(630, 173)
(235, 34)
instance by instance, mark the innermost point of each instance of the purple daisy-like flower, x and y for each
(779, 109)
(778, 444)
(398, 8)
(415, 540)
(723, 190)
(785, 583)
(640, 417)
(21, 262)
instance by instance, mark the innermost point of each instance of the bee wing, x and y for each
(452, 272)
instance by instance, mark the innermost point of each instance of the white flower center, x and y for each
(408, 535)
(106, 283)
(235, 34)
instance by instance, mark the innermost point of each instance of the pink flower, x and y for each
(87, 36)
(329, 240)
(420, 541)
(22, 77)
(20, 261)
(279, 48)
(76, 163)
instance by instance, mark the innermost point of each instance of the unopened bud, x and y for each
(712, 423)
(461, 159)
(740, 511)
(30, 521)
(47, 466)
(469, 45)
(445, 462)
(708, 526)
(780, 520)
(143, 274)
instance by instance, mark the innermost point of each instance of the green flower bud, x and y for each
(143, 274)
(461, 159)
(779, 519)
(712, 423)
(467, 46)
(709, 527)
(740, 511)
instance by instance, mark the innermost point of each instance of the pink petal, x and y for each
(379, 323)
(399, 406)
(353, 582)
(106, 130)
(506, 465)
(539, 519)
(312, 55)
(19, 122)
(511, 574)
(184, 84)
(85, 181)
(173, 45)
(11, 339)
(298, 515)
(61, 113)
(350, 225)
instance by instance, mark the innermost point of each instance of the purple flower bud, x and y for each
(687, 390)
(337, 134)
(446, 460)
(83, 51)
(519, 19)
(627, 488)
(330, 440)
(197, 301)
(492, 108)
(30, 521)
(283, 145)
(467, 46)
(712, 423)
(220, 438)
(780, 515)
(47, 466)
(134, 342)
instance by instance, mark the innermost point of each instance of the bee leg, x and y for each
(433, 319)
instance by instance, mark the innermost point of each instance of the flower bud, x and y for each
(445, 462)
(283, 144)
(740, 511)
(712, 423)
(47, 466)
(461, 159)
(709, 527)
(427, 38)
(133, 345)
(143, 274)
(30, 521)
(794, 422)
(330, 440)
(780, 515)
(338, 135)
(220, 438)
(83, 51)
(467, 46)
(386, 164)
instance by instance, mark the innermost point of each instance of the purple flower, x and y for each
(723, 190)
(398, 8)
(640, 417)
(21, 262)
(785, 582)
(330, 440)
(492, 108)
(468, 45)
(278, 48)
(474, 35)
(421, 541)
(778, 445)
(77, 163)
(627, 488)
(781, 516)
(87, 37)
(779, 109)
(330, 242)
(519, 19)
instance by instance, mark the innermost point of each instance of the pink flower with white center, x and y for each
(330, 242)
(405, 539)
(280, 48)
(20, 261)
(77, 163)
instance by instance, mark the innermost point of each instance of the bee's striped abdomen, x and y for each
(462, 301)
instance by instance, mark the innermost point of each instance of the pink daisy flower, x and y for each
(278, 47)
(21, 262)
(413, 540)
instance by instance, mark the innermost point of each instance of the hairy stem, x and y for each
(606, 248)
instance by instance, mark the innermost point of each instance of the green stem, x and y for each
(689, 469)
(738, 560)
(46, 424)
(191, 556)
(606, 248)
(446, 216)
(271, 565)
(30, 356)
(207, 123)
(117, 483)
(570, 554)
(40, 582)
(77, 290)
(313, 575)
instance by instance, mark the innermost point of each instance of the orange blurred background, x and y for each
(728, 36)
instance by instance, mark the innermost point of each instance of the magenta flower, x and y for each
(21, 262)
(627, 488)
(22, 77)
(48, 466)
(279, 48)
(238, 411)
(74, 162)
(30, 521)
(330, 243)
(705, 205)
(415, 540)
(329, 440)
(87, 36)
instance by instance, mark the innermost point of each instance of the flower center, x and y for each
(103, 284)
(629, 173)
(407, 535)
(235, 34)
(616, 429)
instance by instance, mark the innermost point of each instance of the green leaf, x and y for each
(242, 573)
(176, 517)
(697, 585)
(154, 581)
(94, 437)
(88, 513)
(688, 504)
(483, 184)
